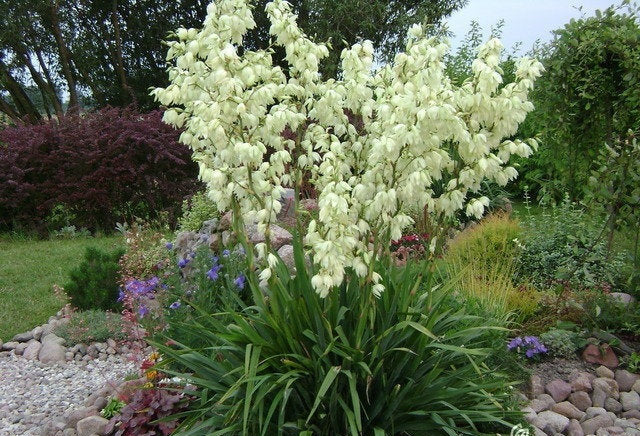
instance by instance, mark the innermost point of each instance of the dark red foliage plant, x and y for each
(147, 413)
(101, 168)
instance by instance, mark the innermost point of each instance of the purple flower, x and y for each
(174, 305)
(240, 281)
(169, 246)
(121, 295)
(226, 253)
(213, 272)
(529, 345)
(142, 311)
(183, 262)
(515, 343)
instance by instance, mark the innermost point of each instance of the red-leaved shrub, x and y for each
(102, 167)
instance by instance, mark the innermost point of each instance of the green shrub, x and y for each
(564, 243)
(91, 326)
(195, 211)
(561, 343)
(94, 283)
(604, 313)
(350, 363)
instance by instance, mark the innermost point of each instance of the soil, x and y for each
(558, 368)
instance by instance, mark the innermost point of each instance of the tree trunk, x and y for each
(24, 106)
(65, 55)
(48, 93)
(9, 110)
(119, 55)
(57, 104)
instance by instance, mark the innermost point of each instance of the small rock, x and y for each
(32, 350)
(286, 254)
(582, 382)
(277, 235)
(595, 411)
(551, 420)
(100, 403)
(225, 221)
(215, 242)
(590, 426)
(574, 428)
(51, 352)
(626, 379)
(604, 372)
(46, 330)
(51, 337)
(92, 351)
(602, 355)
(77, 415)
(23, 337)
(68, 356)
(581, 400)
(630, 401)
(542, 403)
(612, 431)
(111, 343)
(92, 425)
(69, 432)
(8, 346)
(636, 386)
(558, 389)
(567, 409)
(529, 414)
(209, 227)
(37, 333)
(623, 298)
(621, 422)
(111, 350)
(20, 348)
(536, 387)
(612, 405)
(631, 414)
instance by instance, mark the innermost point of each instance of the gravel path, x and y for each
(33, 393)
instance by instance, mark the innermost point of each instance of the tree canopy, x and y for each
(63, 55)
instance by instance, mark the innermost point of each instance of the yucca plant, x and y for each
(347, 364)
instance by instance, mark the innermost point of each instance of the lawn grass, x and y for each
(28, 270)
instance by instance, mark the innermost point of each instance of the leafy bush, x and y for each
(586, 98)
(91, 326)
(603, 312)
(147, 411)
(92, 170)
(482, 260)
(404, 363)
(196, 210)
(94, 283)
(564, 243)
(561, 343)
(146, 252)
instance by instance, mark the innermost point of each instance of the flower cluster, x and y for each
(373, 144)
(530, 346)
(140, 291)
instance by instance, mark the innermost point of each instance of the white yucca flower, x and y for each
(373, 144)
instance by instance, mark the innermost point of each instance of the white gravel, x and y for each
(33, 393)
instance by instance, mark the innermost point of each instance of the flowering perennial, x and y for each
(530, 346)
(374, 144)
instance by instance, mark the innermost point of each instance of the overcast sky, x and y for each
(525, 20)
